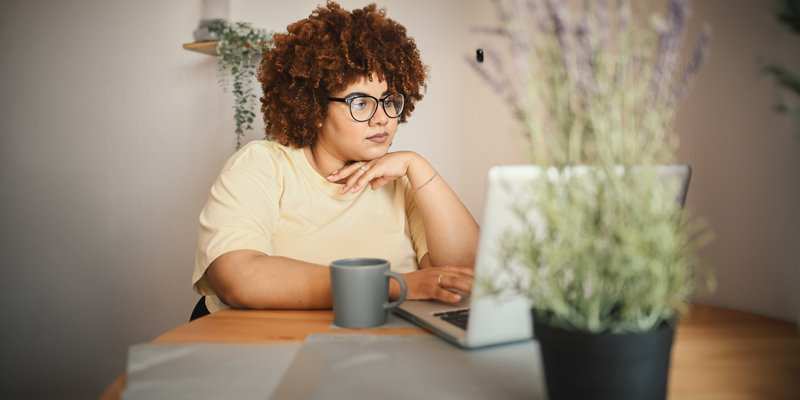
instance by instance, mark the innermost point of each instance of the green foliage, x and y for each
(788, 14)
(239, 47)
(612, 255)
(599, 91)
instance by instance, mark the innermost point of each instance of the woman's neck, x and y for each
(322, 161)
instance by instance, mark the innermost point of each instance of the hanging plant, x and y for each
(240, 45)
(789, 15)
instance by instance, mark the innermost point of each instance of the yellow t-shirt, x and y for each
(269, 198)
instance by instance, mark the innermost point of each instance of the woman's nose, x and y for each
(380, 117)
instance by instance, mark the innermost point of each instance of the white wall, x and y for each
(111, 135)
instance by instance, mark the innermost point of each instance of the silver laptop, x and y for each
(480, 320)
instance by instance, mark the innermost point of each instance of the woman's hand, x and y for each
(377, 172)
(434, 283)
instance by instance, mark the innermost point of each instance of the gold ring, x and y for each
(363, 167)
(440, 280)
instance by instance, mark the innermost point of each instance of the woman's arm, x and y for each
(450, 229)
(251, 279)
(451, 232)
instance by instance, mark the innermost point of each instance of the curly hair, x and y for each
(325, 53)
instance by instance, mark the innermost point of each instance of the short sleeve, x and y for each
(240, 214)
(416, 229)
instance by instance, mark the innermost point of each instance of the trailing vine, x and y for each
(240, 46)
(789, 15)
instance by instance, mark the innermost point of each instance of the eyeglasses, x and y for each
(362, 108)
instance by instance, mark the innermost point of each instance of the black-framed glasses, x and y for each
(363, 107)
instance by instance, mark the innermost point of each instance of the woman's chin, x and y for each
(376, 152)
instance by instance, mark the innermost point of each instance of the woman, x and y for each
(336, 86)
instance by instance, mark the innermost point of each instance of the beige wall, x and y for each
(111, 135)
(745, 157)
(746, 160)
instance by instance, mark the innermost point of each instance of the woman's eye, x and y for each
(391, 103)
(358, 104)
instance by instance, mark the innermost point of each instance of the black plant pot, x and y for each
(579, 365)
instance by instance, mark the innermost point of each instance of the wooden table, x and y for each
(719, 354)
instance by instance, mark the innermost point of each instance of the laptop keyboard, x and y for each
(458, 318)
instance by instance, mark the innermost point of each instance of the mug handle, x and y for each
(403, 289)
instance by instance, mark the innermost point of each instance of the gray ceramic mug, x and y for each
(360, 289)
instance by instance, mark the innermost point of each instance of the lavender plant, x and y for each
(598, 88)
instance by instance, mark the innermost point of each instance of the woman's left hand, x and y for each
(440, 283)
(376, 173)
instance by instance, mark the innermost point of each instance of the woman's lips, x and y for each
(379, 138)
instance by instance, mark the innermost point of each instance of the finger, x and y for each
(379, 182)
(459, 282)
(362, 181)
(335, 176)
(461, 270)
(445, 295)
(352, 181)
(344, 172)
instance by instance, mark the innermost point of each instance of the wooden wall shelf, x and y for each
(209, 48)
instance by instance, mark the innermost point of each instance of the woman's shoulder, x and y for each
(259, 154)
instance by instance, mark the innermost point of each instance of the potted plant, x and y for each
(239, 46)
(611, 268)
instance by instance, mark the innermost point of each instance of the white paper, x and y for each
(206, 370)
(353, 366)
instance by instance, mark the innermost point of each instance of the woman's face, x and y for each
(346, 139)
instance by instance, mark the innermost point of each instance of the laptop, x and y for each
(480, 320)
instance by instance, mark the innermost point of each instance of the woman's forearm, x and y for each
(250, 279)
(450, 229)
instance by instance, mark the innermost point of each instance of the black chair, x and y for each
(200, 309)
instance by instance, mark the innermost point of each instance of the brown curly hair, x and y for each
(325, 53)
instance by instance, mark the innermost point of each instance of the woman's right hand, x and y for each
(376, 173)
(424, 284)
